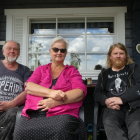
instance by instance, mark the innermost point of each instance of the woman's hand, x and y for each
(57, 95)
(48, 103)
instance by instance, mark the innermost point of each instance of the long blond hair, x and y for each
(122, 47)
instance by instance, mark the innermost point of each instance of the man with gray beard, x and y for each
(12, 78)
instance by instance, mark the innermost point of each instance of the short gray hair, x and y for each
(59, 39)
(18, 44)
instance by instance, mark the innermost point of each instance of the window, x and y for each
(89, 31)
(88, 37)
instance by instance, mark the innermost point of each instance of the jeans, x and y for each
(122, 124)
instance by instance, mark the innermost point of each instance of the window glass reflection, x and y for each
(76, 44)
(39, 44)
(45, 31)
(99, 43)
(43, 26)
(89, 39)
(100, 25)
(38, 59)
(71, 25)
(93, 60)
(77, 60)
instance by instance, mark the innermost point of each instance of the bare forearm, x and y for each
(35, 89)
(19, 100)
(73, 96)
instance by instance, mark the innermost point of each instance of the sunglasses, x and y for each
(57, 50)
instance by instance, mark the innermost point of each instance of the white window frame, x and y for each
(17, 23)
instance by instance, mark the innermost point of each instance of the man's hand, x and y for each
(114, 102)
(4, 105)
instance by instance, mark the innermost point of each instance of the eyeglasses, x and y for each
(10, 48)
(57, 50)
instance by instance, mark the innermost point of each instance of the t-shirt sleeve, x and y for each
(27, 74)
(24, 72)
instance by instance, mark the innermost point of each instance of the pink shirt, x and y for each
(69, 79)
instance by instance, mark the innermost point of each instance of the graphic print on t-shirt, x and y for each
(118, 85)
(9, 87)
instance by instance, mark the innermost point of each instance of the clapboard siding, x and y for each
(128, 33)
(2, 27)
(59, 3)
(136, 29)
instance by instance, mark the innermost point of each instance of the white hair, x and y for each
(61, 39)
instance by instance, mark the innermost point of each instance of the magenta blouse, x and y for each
(69, 79)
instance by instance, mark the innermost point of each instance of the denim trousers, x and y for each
(122, 124)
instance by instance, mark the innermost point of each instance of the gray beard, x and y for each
(11, 60)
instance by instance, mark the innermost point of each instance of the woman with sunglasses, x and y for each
(55, 93)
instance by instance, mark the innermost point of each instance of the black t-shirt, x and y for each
(117, 82)
(12, 82)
